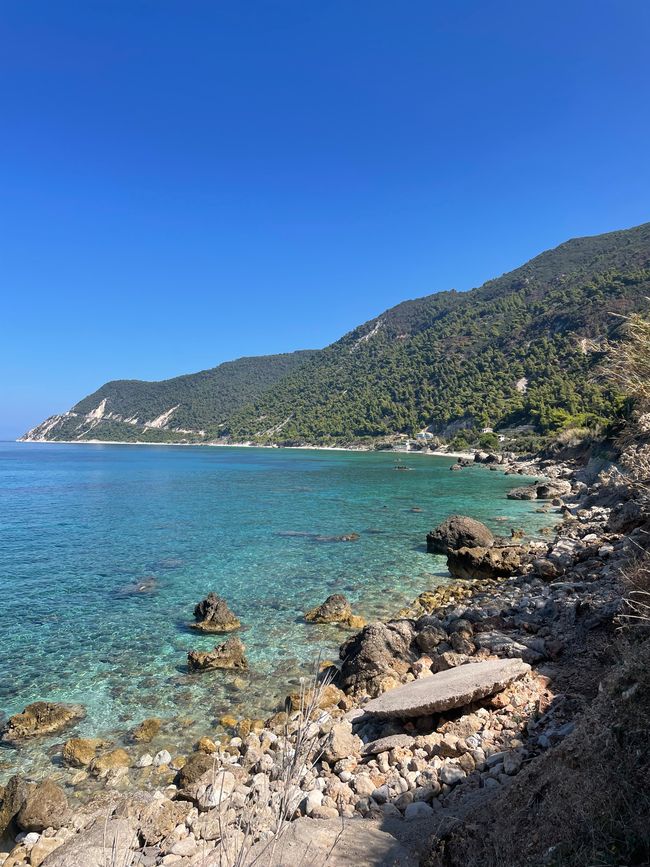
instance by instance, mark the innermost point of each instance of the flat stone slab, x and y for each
(331, 842)
(456, 687)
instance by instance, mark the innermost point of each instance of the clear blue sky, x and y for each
(187, 182)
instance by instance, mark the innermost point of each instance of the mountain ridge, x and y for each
(520, 349)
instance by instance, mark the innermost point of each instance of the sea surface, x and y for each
(105, 550)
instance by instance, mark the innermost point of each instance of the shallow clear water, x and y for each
(81, 524)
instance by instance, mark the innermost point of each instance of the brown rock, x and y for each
(45, 806)
(79, 752)
(482, 563)
(214, 615)
(13, 797)
(43, 847)
(229, 655)
(196, 765)
(341, 743)
(335, 609)
(147, 730)
(330, 696)
(111, 761)
(456, 532)
(41, 718)
(379, 655)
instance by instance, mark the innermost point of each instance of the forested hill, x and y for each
(172, 409)
(521, 349)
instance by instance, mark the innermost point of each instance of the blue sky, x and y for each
(187, 182)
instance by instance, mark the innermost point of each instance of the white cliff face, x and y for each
(99, 411)
(162, 419)
(43, 431)
(369, 335)
(521, 385)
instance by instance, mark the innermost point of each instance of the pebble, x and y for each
(418, 810)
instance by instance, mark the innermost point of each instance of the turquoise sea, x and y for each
(82, 525)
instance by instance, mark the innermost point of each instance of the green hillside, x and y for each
(521, 349)
(130, 409)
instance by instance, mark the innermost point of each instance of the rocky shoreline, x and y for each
(370, 745)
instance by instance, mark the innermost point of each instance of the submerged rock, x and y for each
(147, 730)
(41, 718)
(214, 615)
(79, 752)
(456, 532)
(335, 609)
(450, 689)
(228, 655)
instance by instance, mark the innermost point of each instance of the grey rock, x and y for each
(456, 687)
(456, 532)
(314, 842)
(388, 743)
(94, 847)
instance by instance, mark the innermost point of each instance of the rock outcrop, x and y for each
(450, 689)
(213, 615)
(378, 657)
(313, 842)
(456, 532)
(482, 563)
(527, 492)
(228, 655)
(335, 609)
(41, 718)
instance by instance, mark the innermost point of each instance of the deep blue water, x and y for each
(80, 525)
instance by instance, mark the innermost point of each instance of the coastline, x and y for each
(167, 782)
(427, 453)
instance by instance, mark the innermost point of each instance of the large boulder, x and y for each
(11, 800)
(483, 563)
(456, 532)
(213, 615)
(378, 657)
(108, 841)
(335, 609)
(552, 489)
(45, 806)
(446, 690)
(41, 718)
(228, 655)
(314, 842)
